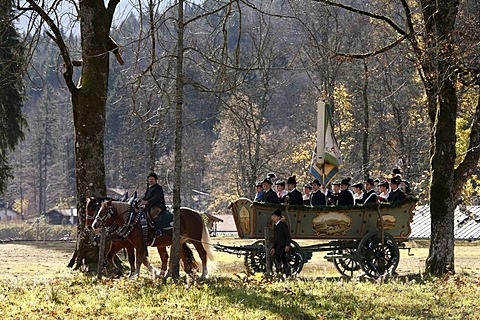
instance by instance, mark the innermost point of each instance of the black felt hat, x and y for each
(316, 181)
(267, 180)
(153, 174)
(370, 181)
(346, 181)
(395, 180)
(277, 212)
(396, 171)
(292, 180)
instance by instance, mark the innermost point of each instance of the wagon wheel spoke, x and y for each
(256, 261)
(347, 266)
(376, 257)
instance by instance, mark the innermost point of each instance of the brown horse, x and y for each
(192, 229)
(117, 244)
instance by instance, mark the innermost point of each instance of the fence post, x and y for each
(101, 254)
(38, 227)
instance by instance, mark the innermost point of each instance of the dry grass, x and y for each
(35, 284)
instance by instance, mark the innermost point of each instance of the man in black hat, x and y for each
(154, 201)
(317, 198)
(369, 196)
(396, 194)
(294, 196)
(404, 184)
(269, 196)
(345, 197)
(281, 242)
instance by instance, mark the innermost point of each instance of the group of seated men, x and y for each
(341, 194)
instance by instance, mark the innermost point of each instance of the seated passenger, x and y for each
(395, 194)
(369, 196)
(294, 197)
(335, 189)
(345, 197)
(259, 194)
(383, 191)
(404, 184)
(357, 192)
(281, 192)
(307, 189)
(317, 198)
(269, 196)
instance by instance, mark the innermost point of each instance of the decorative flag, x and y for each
(326, 156)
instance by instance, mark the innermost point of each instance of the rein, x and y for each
(128, 226)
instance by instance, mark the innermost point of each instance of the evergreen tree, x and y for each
(11, 100)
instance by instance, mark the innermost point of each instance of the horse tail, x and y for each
(189, 260)
(206, 243)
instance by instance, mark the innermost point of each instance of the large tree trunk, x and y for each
(88, 102)
(439, 17)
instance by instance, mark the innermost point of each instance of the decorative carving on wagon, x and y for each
(389, 222)
(331, 223)
(244, 216)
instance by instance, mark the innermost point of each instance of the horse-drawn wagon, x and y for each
(357, 239)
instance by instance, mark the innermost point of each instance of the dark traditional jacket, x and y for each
(294, 198)
(318, 198)
(154, 196)
(369, 197)
(281, 235)
(396, 195)
(269, 196)
(344, 198)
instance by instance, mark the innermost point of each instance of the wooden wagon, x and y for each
(357, 239)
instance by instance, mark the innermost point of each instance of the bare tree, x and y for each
(88, 100)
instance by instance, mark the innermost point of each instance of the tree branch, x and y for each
(373, 53)
(57, 37)
(385, 19)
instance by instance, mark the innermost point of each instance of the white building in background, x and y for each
(7, 215)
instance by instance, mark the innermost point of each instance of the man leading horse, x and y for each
(154, 201)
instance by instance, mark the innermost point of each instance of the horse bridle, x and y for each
(90, 217)
(110, 214)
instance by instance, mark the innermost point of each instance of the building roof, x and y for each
(66, 212)
(467, 223)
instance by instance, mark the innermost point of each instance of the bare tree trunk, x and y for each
(174, 271)
(366, 124)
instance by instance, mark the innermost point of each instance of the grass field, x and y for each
(35, 284)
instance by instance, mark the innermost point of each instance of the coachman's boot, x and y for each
(158, 226)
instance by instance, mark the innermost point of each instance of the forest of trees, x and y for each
(253, 72)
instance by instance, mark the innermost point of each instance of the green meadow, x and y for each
(36, 284)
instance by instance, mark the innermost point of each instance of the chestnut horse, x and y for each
(117, 244)
(192, 229)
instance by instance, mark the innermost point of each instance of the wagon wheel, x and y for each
(295, 258)
(348, 266)
(256, 261)
(377, 258)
